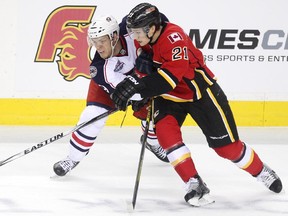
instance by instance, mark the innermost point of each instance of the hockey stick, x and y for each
(140, 164)
(56, 137)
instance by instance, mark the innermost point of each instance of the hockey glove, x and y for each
(125, 90)
(137, 105)
(144, 63)
(142, 112)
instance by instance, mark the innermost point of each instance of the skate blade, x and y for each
(54, 176)
(203, 201)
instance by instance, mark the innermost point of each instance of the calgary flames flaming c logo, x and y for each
(64, 34)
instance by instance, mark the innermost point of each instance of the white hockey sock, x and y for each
(81, 141)
(151, 138)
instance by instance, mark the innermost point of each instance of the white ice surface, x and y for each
(103, 182)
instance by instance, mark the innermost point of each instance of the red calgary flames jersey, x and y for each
(181, 64)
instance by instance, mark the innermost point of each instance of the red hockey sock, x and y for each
(170, 138)
(168, 132)
(186, 169)
(242, 155)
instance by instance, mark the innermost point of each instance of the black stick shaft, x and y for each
(140, 164)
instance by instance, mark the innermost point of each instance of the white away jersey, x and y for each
(109, 72)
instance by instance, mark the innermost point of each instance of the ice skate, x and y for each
(157, 150)
(61, 168)
(270, 179)
(197, 192)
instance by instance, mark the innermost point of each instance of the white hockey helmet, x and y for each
(104, 25)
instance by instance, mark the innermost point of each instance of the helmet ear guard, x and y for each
(89, 41)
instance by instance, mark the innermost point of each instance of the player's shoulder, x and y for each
(127, 44)
(97, 61)
(170, 28)
(173, 27)
(172, 33)
(122, 26)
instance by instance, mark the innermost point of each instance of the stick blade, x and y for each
(130, 206)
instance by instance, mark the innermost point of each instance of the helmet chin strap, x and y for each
(150, 38)
(113, 47)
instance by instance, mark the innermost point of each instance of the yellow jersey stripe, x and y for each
(167, 78)
(175, 99)
(198, 92)
(204, 76)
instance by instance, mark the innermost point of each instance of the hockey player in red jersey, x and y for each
(114, 59)
(182, 84)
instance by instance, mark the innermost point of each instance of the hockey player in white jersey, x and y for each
(114, 59)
